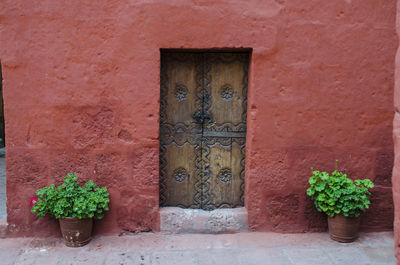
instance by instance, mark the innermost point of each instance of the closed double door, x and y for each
(203, 129)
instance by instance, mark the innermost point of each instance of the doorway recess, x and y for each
(203, 103)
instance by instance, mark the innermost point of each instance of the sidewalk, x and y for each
(199, 249)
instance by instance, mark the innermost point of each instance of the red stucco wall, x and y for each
(396, 137)
(81, 93)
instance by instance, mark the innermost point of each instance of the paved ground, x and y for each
(199, 249)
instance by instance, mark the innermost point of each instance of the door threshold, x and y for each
(179, 220)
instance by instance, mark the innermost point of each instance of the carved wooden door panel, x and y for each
(180, 136)
(224, 134)
(203, 129)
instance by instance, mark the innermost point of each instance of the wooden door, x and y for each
(203, 129)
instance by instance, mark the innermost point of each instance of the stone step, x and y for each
(179, 220)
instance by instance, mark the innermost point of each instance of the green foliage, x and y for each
(72, 200)
(337, 194)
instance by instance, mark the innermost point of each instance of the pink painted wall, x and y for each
(81, 93)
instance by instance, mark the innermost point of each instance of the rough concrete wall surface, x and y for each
(396, 138)
(396, 169)
(81, 94)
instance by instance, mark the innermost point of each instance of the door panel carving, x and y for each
(203, 129)
(225, 175)
(180, 175)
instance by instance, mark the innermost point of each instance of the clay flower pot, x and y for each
(76, 232)
(343, 229)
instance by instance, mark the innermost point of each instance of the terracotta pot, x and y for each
(343, 229)
(76, 232)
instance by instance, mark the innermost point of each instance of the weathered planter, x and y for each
(343, 229)
(76, 232)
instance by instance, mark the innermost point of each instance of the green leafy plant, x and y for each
(71, 200)
(337, 194)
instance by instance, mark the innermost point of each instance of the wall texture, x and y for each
(396, 137)
(81, 94)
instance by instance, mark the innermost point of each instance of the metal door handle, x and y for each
(201, 117)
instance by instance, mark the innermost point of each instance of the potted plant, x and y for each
(342, 199)
(74, 206)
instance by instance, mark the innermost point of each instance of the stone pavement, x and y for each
(199, 249)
